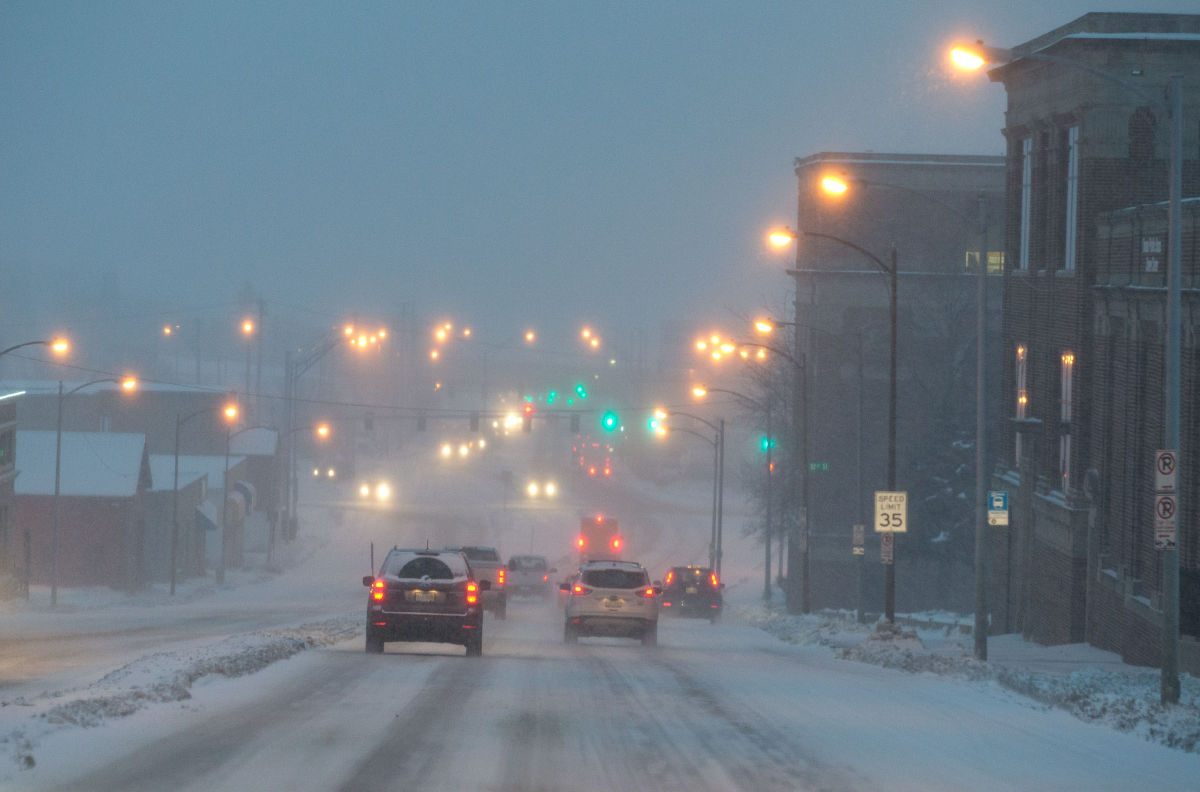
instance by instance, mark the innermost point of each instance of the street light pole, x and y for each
(127, 384)
(892, 274)
(714, 553)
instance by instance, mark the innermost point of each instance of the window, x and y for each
(1072, 198)
(615, 578)
(1026, 199)
(1022, 394)
(1064, 441)
(995, 262)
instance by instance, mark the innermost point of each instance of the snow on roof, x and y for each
(256, 441)
(98, 464)
(211, 466)
(162, 470)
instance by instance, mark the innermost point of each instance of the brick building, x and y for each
(103, 479)
(1082, 348)
(929, 207)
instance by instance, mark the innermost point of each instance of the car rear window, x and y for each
(530, 563)
(480, 553)
(433, 567)
(614, 578)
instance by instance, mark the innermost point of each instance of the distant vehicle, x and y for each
(425, 595)
(612, 599)
(487, 568)
(375, 489)
(529, 575)
(599, 538)
(692, 591)
(594, 457)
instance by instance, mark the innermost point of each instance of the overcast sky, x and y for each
(507, 164)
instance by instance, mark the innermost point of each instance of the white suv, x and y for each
(612, 599)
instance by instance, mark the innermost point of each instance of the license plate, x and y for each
(690, 590)
(417, 595)
(614, 603)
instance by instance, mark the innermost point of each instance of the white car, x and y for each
(611, 599)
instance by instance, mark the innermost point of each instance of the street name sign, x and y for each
(891, 512)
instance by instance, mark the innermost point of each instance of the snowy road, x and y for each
(714, 707)
(258, 685)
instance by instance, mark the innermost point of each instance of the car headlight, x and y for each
(383, 491)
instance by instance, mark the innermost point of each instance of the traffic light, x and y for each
(527, 421)
(581, 391)
(551, 396)
(767, 443)
(610, 421)
(575, 423)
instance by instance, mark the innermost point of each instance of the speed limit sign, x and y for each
(891, 512)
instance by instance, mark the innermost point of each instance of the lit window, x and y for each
(1064, 441)
(1022, 393)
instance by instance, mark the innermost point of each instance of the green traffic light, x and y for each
(610, 421)
(551, 396)
(580, 391)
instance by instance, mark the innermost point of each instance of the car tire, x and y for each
(474, 644)
(650, 636)
(570, 634)
(374, 642)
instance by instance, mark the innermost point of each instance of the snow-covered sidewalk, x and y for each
(1090, 683)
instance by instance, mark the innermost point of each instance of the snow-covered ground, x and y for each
(40, 711)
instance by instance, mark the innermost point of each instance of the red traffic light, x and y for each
(528, 408)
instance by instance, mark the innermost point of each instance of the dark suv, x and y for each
(692, 591)
(425, 595)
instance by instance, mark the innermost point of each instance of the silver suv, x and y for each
(611, 599)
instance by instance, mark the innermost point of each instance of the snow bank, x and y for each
(156, 678)
(1128, 702)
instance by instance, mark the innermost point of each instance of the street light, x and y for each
(975, 56)
(230, 413)
(128, 384)
(718, 443)
(59, 346)
(891, 272)
(701, 391)
(839, 186)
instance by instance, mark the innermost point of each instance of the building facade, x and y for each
(1082, 349)
(938, 211)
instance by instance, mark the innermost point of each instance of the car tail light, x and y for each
(580, 542)
(579, 589)
(616, 543)
(545, 578)
(378, 590)
(500, 576)
(666, 604)
(670, 577)
(647, 592)
(592, 470)
(713, 578)
(472, 593)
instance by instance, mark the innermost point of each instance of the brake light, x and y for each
(579, 588)
(616, 543)
(472, 593)
(378, 590)
(648, 593)
(580, 542)
(670, 577)
(545, 578)
(500, 576)
(592, 470)
(713, 578)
